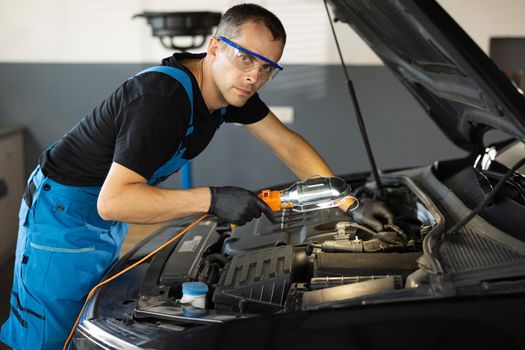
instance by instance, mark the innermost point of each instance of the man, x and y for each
(103, 173)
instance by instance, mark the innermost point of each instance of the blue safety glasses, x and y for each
(247, 60)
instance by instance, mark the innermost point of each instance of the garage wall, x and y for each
(103, 31)
(50, 98)
(87, 31)
(60, 58)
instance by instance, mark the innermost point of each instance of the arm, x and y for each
(293, 150)
(147, 133)
(126, 196)
(290, 147)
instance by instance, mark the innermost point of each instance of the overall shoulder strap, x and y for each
(183, 78)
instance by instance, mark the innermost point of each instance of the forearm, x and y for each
(144, 204)
(306, 162)
(303, 159)
(292, 149)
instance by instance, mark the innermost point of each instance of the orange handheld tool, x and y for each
(273, 200)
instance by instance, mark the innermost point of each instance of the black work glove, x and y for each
(372, 213)
(237, 205)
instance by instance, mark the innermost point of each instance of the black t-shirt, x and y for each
(140, 126)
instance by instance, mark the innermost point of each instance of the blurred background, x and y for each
(61, 58)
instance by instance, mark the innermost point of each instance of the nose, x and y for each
(253, 76)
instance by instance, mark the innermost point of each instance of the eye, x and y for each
(245, 58)
(267, 68)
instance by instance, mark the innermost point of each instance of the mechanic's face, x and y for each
(235, 83)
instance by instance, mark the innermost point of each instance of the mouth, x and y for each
(243, 92)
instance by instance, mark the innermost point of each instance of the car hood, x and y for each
(461, 89)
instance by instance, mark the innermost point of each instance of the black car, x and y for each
(450, 272)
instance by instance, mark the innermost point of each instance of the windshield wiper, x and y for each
(515, 183)
(453, 231)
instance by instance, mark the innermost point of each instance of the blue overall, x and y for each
(64, 248)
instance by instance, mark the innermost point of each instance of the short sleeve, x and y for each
(149, 131)
(253, 111)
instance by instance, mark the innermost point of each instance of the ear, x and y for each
(213, 47)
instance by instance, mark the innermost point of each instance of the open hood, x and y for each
(461, 89)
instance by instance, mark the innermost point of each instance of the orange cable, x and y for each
(92, 292)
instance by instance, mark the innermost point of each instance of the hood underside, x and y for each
(456, 83)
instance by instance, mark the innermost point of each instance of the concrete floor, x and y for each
(135, 234)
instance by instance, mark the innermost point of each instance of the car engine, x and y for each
(305, 261)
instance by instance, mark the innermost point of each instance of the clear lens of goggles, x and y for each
(247, 63)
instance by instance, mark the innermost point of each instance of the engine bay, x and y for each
(305, 261)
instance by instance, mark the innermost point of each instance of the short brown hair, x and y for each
(233, 19)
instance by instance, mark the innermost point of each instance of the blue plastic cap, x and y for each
(194, 288)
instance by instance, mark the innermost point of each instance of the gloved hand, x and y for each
(237, 205)
(372, 213)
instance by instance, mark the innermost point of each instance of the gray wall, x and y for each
(50, 98)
